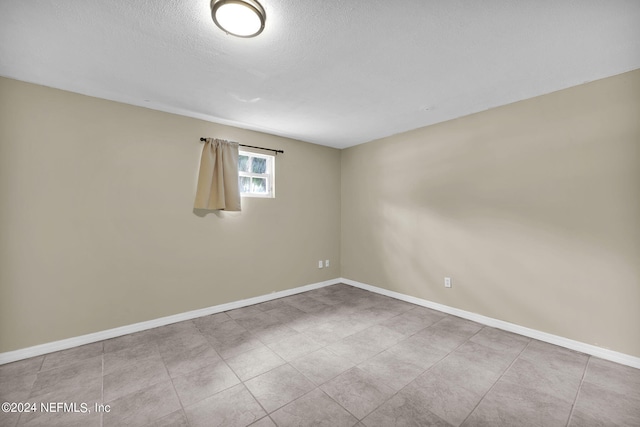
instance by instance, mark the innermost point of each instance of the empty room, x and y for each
(319, 213)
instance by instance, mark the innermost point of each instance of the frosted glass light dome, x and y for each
(242, 18)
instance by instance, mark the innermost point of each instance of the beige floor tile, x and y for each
(142, 407)
(204, 382)
(508, 405)
(403, 410)
(254, 362)
(601, 406)
(321, 365)
(278, 387)
(358, 392)
(313, 409)
(294, 346)
(234, 407)
(335, 356)
(72, 355)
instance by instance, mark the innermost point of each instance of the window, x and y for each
(256, 174)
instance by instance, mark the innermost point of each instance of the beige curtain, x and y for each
(218, 179)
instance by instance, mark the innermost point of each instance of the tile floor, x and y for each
(336, 356)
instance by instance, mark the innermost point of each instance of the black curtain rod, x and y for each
(252, 146)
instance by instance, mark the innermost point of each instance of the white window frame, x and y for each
(269, 175)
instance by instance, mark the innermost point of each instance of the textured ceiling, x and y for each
(332, 72)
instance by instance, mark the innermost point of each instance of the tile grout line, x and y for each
(426, 370)
(496, 381)
(382, 351)
(326, 348)
(184, 412)
(255, 398)
(31, 389)
(340, 405)
(174, 386)
(243, 382)
(358, 420)
(175, 391)
(41, 364)
(269, 416)
(433, 364)
(319, 387)
(575, 400)
(102, 387)
(437, 362)
(18, 419)
(447, 354)
(239, 379)
(309, 379)
(280, 407)
(316, 387)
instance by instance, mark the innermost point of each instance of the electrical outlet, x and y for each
(447, 282)
(320, 264)
(326, 263)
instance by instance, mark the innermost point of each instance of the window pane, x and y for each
(258, 185)
(259, 165)
(243, 163)
(245, 184)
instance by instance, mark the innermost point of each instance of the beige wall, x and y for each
(533, 209)
(97, 228)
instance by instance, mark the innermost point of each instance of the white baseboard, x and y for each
(37, 350)
(603, 353)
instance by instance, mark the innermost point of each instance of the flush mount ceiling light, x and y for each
(241, 18)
